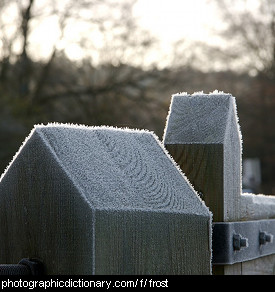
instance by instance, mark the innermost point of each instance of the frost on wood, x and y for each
(200, 118)
(203, 135)
(104, 200)
(118, 168)
(255, 207)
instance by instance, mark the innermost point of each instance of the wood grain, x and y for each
(203, 166)
(212, 161)
(202, 135)
(101, 201)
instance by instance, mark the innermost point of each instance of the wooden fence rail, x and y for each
(103, 200)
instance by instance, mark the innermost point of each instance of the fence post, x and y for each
(101, 200)
(203, 136)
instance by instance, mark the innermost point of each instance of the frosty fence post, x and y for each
(101, 200)
(203, 136)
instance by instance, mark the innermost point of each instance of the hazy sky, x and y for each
(171, 20)
(168, 20)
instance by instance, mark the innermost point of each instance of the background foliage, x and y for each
(114, 85)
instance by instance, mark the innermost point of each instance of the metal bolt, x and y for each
(239, 242)
(24, 267)
(265, 237)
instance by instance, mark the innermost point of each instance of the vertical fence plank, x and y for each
(203, 136)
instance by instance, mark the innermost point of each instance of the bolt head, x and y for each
(36, 267)
(239, 242)
(265, 237)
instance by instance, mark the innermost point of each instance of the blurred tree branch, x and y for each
(248, 35)
(121, 39)
(35, 89)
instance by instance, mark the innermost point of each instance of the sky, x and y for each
(178, 20)
(168, 20)
(171, 20)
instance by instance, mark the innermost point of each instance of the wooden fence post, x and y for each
(101, 201)
(203, 136)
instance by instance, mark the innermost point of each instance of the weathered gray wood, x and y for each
(203, 165)
(203, 136)
(260, 266)
(101, 201)
(255, 207)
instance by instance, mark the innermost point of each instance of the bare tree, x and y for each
(119, 40)
(104, 85)
(248, 35)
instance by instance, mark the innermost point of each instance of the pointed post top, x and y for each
(201, 118)
(203, 136)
